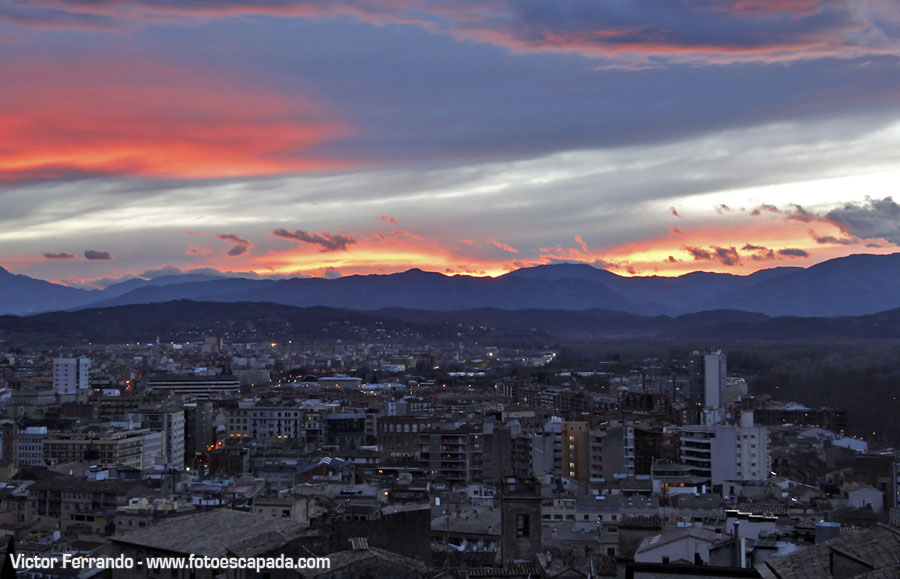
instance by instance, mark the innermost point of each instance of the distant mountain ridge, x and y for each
(185, 320)
(848, 286)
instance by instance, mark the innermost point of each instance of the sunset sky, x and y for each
(329, 138)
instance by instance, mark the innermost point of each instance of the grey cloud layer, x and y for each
(528, 204)
(643, 33)
(872, 218)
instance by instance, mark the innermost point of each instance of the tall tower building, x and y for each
(520, 521)
(713, 379)
(71, 375)
(575, 451)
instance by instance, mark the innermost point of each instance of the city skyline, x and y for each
(286, 137)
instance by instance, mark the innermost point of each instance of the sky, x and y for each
(332, 138)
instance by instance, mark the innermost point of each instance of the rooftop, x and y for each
(874, 552)
(216, 533)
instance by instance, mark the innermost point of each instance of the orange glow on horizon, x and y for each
(738, 245)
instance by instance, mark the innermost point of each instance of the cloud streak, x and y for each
(71, 119)
(94, 255)
(60, 256)
(653, 33)
(240, 246)
(327, 242)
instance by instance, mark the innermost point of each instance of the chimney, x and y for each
(738, 559)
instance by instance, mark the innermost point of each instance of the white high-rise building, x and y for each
(752, 449)
(71, 375)
(723, 452)
(713, 379)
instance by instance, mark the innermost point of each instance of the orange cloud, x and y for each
(146, 118)
(503, 246)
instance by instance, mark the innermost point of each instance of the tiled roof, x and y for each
(641, 522)
(875, 551)
(215, 533)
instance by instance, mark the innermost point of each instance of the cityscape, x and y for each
(402, 455)
(449, 290)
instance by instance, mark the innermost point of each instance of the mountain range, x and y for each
(848, 286)
(184, 320)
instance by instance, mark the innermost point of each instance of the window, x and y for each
(522, 526)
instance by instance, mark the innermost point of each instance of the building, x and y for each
(710, 451)
(345, 430)
(212, 386)
(31, 446)
(611, 451)
(576, 451)
(9, 442)
(520, 521)
(726, 452)
(753, 461)
(135, 448)
(198, 429)
(714, 371)
(265, 422)
(71, 375)
(872, 552)
(689, 544)
(445, 453)
(77, 504)
(170, 423)
(400, 433)
(216, 533)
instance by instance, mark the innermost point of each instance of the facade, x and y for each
(725, 452)
(400, 434)
(714, 371)
(520, 522)
(710, 451)
(198, 385)
(198, 429)
(170, 423)
(71, 375)
(265, 422)
(345, 430)
(80, 504)
(609, 454)
(753, 462)
(576, 451)
(31, 446)
(445, 453)
(133, 448)
(9, 441)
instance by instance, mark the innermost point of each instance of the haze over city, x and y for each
(327, 139)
